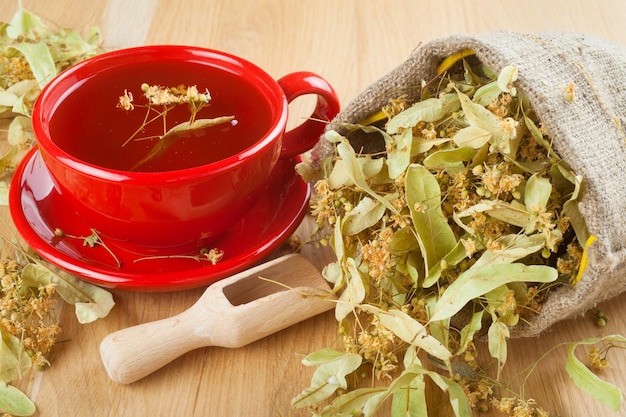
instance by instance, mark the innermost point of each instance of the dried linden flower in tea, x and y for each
(160, 101)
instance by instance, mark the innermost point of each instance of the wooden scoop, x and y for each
(231, 313)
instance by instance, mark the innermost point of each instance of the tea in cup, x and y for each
(168, 146)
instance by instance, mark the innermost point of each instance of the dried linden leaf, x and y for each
(471, 136)
(423, 197)
(90, 301)
(399, 157)
(14, 401)
(40, 60)
(328, 377)
(487, 94)
(14, 361)
(498, 334)
(353, 294)
(410, 330)
(608, 394)
(366, 399)
(429, 110)
(506, 78)
(476, 282)
(537, 193)
(366, 214)
(480, 117)
(25, 24)
(355, 172)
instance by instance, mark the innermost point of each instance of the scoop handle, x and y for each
(134, 352)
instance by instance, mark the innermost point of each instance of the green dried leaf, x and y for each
(355, 173)
(338, 243)
(421, 145)
(458, 399)
(90, 301)
(512, 213)
(423, 197)
(410, 400)
(9, 159)
(358, 399)
(409, 330)
(332, 273)
(14, 401)
(452, 160)
(513, 247)
(14, 361)
(608, 394)
(28, 90)
(498, 334)
(478, 281)
(429, 110)
(25, 24)
(506, 78)
(399, 158)
(472, 137)
(487, 94)
(538, 136)
(440, 330)
(7, 98)
(469, 330)
(171, 136)
(20, 132)
(537, 193)
(480, 117)
(456, 255)
(322, 356)
(365, 215)
(40, 60)
(75, 46)
(328, 377)
(339, 177)
(353, 294)
(198, 124)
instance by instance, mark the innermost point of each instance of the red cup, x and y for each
(197, 194)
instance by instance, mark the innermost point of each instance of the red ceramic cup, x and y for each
(197, 192)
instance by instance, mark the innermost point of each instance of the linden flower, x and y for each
(597, 360)
(570, 92)
(214, 255)
(509, 127)
(126, 101)
(159, 96)
(192, 95)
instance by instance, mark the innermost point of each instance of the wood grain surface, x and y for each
(350, 43)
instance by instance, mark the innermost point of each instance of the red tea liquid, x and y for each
(88, 124)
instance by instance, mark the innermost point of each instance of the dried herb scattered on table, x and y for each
(31, 54)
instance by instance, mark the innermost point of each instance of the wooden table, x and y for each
(351, 43)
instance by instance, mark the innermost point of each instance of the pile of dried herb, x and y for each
(31, 54)
(452, 218)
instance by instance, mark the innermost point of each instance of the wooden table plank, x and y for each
(351, 43)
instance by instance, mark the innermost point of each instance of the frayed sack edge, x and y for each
(588, 133)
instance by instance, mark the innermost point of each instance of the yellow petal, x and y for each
(453, 59)
(584, 260)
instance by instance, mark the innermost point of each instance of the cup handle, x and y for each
(303, 137)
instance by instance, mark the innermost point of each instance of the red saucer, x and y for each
(37, 209)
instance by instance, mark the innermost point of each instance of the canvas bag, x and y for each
(588, 133)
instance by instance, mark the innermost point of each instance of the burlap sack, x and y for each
(588, 133)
